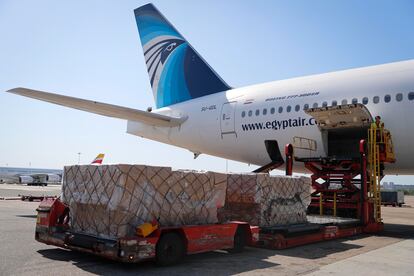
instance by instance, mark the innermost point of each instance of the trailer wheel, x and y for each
(170, 249)
(239, 240)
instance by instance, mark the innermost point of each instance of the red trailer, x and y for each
(167, 245)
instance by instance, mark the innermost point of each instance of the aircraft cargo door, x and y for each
(227, 118)
(342, 127)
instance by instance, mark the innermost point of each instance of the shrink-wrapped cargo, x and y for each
(266, 200)
(111, 200)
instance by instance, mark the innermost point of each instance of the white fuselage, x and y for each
(234, 125)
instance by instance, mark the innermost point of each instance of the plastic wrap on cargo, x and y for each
(111, 200)
(266, 200)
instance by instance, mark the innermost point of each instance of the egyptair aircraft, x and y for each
(197, 110)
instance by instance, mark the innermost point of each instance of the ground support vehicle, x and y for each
(392, 198)
(167, 245)
(34, 198)
(346, 200)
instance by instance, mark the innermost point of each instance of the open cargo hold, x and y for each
(111, 200)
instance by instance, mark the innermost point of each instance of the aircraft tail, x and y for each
(98, 159)
(177, 72)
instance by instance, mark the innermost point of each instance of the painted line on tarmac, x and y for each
(11, 198)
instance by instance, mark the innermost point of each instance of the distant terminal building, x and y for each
(388, 186)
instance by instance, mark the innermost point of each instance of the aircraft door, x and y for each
(227, 118)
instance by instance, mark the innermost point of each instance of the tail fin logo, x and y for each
(98, 159)
(177, 72)
(156, 56)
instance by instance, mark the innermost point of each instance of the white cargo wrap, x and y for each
(265, 200)
(111, 200)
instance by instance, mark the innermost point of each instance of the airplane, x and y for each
(29, 176)
(98, 159)
(197, 110)
(41, 177)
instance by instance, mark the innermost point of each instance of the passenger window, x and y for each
(288, 108)
(365, 100)
(243, 114)
(344, 101)
(375, 99)
(354, 100)
(272, 110)
(399, 97)
(257, 112)
(250, 113)
(334, 103)
(315, 105)
(411, 96)
(324, 104)
(387, 98)
(305, 106)
(297, 108)
(264, 111)
(280, 109)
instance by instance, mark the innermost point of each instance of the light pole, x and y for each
(79, 156)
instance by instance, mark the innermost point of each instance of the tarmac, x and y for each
(10, 191)
(395, 259)
(388, 253)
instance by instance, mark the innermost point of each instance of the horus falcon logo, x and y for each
(158, 53)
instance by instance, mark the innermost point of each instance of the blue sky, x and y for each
(91, 49)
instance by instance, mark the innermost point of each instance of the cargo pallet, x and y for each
(167, 245)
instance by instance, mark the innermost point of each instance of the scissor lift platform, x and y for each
(345, 186)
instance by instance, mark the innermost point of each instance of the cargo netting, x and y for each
(265, 200)
(112, 200)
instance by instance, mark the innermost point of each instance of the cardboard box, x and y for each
(112, 200)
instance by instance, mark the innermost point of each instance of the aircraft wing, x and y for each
(104, 109)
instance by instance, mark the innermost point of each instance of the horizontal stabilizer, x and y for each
(102, 108)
